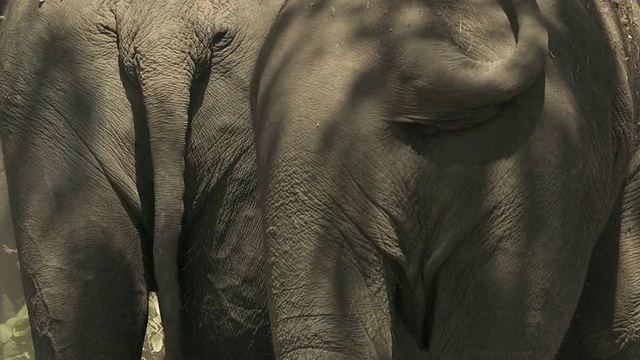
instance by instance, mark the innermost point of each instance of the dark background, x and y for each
(11, 295)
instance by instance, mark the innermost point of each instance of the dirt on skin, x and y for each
(628, 13)
(620, 22)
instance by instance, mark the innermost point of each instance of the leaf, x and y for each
(23, 313)
(21, 324)
(12, 321)
(156, 343)
(20, 333)
(21, 328)
(10, 351)
(5, 333)
(23, 356)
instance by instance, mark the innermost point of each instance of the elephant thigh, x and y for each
(606, 321)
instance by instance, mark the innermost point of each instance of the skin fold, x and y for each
(121, 120)
(505, 229)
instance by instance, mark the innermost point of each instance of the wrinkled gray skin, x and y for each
(121, 120)
(405, 179)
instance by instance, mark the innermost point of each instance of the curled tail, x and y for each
(462, 91)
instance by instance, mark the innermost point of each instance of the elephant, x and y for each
(469, 168)
(131, 167)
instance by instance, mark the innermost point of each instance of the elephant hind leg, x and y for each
(223, 282)
(80, 258)
(606, 321)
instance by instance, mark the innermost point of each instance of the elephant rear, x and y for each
(128, 147)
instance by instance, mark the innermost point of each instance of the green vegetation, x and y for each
(16, 343)
(153, 347)
(15, 337)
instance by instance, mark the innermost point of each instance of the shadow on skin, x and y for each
(506, 159)
(80, 254)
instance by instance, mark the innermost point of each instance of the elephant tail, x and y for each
(167, 104)
(467, 91)
(165, 52)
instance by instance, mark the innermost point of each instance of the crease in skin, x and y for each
(284, 290)
(362, 277)
(394, 252)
